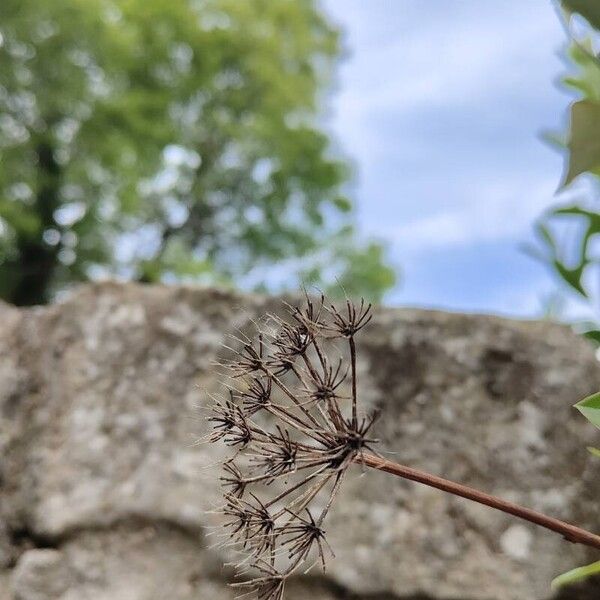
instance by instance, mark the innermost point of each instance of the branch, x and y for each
(569, 532)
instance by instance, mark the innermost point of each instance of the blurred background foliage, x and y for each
(576, 263)
(173, 140)
(572, 254)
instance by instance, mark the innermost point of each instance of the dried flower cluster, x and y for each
(291, 417)
(292, 422)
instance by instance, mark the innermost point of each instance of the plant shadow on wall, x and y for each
(291, 417)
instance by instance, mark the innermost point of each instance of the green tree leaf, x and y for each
(576, 575)
(589, 9)
(569, 252)
(594, 451)
(593, 335)
(590, 408)
(572, 275)
(584, 139)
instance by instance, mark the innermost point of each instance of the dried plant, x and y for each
(293, 422)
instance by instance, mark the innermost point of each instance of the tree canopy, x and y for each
(172, 140)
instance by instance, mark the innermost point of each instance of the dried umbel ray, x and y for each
(293, 422)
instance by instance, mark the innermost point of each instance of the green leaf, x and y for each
(343, 203)
(590, 408)
(594, 451)
(584, 139)
(576, 575)
(572, 276)
(589, 9)
(546, 236)
(555, 139)
(593, 335)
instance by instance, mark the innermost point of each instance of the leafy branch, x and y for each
(590, 408)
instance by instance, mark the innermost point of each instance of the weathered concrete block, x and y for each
(104, 494)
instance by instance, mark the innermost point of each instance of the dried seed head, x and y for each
(310, 316)
(238, 518)
(271, 589)
(260, 526)
(302, 535)
(292, 340)
(276, 455)
(269, 585)
(233, 479)
(250, 359)
(353, 321)
(325, 383)
(257, 396)
(229, 423)
(293, 420)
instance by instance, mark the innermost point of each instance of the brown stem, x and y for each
(353, 366)
(568, 531)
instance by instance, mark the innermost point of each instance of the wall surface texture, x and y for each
(104, 494)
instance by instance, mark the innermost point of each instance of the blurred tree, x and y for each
(169, 140)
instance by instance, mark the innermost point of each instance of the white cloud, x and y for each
(440, 104)
(501, 210)
(441, 58)
(465, 56)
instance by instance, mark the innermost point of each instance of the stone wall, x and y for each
(104, 495)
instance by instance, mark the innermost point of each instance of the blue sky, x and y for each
(440, 105)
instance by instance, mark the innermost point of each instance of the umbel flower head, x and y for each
(293, 426)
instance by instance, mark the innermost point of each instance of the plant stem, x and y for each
(569, 532)
(353, 366)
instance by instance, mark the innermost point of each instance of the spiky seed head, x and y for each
(293, 428)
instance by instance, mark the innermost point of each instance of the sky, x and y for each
(440, 105)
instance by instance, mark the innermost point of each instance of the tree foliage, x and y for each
(170, 140)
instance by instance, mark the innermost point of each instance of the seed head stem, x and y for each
(353, 368)
(569, 532)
